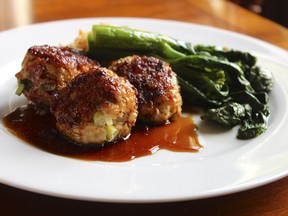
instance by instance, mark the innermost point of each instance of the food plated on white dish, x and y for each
(234, 164)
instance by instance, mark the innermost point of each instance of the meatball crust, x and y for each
(158, 95)
(49, 68)
(96, 107)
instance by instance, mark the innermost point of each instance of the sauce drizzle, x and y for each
(39, 130)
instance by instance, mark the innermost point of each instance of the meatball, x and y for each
(158, 96)
(96, 107)
(46, 69)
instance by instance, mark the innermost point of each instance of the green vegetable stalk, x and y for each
(228, 82)
(112, 42)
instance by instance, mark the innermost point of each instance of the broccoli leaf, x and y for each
(228, 115)
(236, 56)
(253, 127)
(261, 79)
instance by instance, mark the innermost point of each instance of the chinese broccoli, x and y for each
(227, 83)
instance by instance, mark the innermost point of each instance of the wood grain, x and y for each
(218, 13)
(268, 200)
(271, 199)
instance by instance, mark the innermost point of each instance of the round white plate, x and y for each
(226, 165)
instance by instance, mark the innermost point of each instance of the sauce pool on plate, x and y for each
(39, 130)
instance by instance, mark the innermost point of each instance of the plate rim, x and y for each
(200, 196)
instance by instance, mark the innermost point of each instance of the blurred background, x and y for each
(22, 12)
(276, 10)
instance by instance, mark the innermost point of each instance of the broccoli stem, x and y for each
(112, 42)
(195, 95)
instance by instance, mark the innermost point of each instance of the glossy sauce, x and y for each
(39, 130)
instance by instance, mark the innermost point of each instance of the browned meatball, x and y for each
(48, 68)
(158, 96)
(96, 107)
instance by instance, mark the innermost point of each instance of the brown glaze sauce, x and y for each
(39, 130)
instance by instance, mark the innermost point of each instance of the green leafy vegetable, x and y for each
(228, 115)
(227, 83)
(254, 126)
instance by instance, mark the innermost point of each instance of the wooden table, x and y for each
(271, 199)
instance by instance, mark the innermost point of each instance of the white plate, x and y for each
(227, 165)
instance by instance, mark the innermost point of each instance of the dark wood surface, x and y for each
(271, 199)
